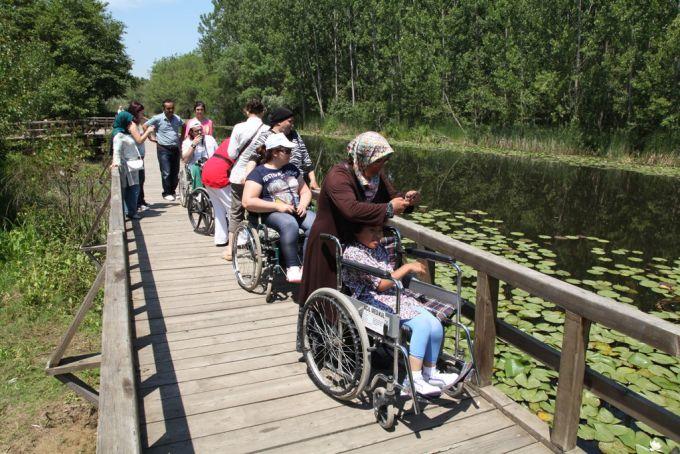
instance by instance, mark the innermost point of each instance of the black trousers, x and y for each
(142, 177)
(168, 161)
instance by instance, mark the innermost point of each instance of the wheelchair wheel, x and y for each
(383, 408)
(184, 188)
(335, 344)
(200, 212)
(246, 256)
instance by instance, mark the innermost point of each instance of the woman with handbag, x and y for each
(126, 156)
(215, 179)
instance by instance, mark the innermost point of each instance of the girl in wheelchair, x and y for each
(427, 331)
(277, 191)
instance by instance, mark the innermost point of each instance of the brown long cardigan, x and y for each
(341, 204)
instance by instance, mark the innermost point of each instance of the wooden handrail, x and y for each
(118, 429)
(581, 308)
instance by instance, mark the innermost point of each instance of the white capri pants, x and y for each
(221, 202)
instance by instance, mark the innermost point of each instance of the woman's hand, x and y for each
(285, 208)
(399, 204)
(196, 140)
(413, 197)
(301, 210)
(417, 268)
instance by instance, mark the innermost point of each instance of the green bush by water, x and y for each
(50, 202)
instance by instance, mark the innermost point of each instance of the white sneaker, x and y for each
(143, 207)
(169, 197)
(294, 274)
(440, 379)
(422, 387)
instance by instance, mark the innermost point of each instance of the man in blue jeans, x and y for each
(168, 133)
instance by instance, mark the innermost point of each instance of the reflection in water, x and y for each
(631, 210)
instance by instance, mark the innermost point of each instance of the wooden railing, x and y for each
(90, 126)
(118, 429)
(581, 308)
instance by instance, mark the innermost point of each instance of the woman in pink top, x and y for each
(199, 111)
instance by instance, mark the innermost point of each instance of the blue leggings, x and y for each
(287, 225)
(426, 336)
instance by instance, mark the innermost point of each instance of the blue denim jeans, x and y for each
(168, 161)
(287, 225)
(130, 196)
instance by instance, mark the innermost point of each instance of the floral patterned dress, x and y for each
(364, 287)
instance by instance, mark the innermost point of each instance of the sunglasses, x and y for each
(285, 150)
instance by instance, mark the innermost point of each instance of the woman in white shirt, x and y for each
(125, 140)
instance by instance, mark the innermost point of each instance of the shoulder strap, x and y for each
(245, 145)
(223, 158)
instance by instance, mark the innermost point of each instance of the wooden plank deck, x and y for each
(217, 369)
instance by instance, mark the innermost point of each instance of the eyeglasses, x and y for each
(285, 150)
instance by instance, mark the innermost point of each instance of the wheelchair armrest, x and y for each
(428, 255)
(367, 269)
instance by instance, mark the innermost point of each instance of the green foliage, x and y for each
(182, 78)
(53, 198)
(608, 73)
(58, 58)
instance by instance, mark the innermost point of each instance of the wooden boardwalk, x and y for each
(218, 372)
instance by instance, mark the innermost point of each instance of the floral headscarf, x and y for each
(365, 149)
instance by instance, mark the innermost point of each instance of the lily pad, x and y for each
(605, 416)
(534, 395)
(640, 360)
(613, 447)
(513, 367)
(660, 358)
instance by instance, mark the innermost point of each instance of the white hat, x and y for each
(195, 123)
(278, 140)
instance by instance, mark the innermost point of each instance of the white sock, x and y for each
(428, 371)
(417, 375)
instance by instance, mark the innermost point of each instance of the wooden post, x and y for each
(570, 384)
(485, 326)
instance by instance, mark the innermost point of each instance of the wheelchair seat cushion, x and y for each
(443, 311)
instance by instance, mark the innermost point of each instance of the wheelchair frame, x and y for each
(197, 202)
(381, 327)
(262, 253)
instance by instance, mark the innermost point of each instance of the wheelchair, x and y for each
(195, 198)
(338, 335)
(256, 256)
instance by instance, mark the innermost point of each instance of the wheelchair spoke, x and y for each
(332, 344)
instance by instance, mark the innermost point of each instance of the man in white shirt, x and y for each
(241, 137)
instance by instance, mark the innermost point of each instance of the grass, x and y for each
(43, 278)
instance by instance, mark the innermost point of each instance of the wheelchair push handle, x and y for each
(372, 270)
(428, 255)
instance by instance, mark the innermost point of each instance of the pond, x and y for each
(616, 233)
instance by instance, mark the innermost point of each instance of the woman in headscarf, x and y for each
(125, 139)
(353, 192)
